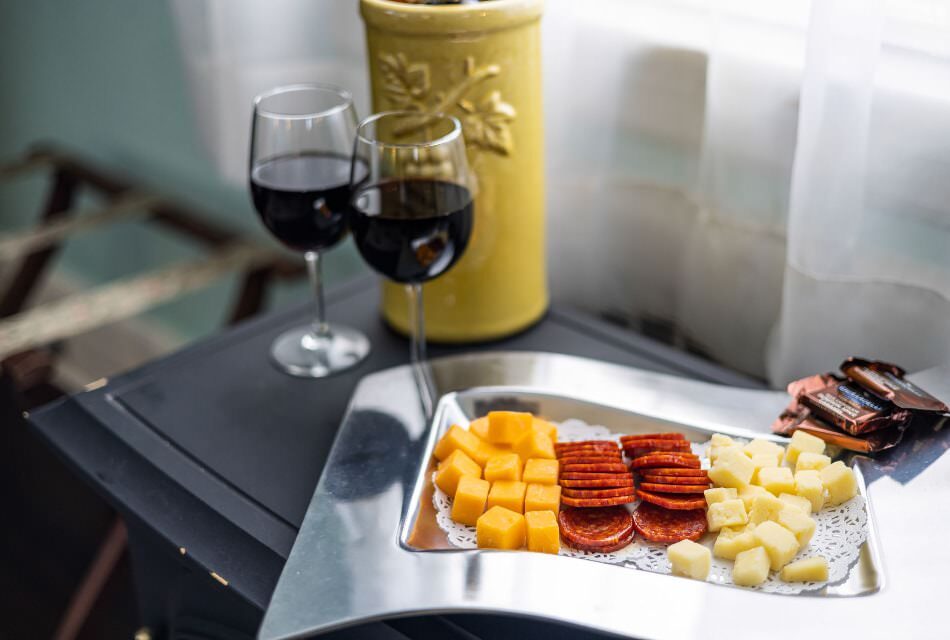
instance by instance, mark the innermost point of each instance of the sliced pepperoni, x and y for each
(595, 528)
(606, 467)
(673, 488)
(605, 549)
(664, 525)
(590, 460)
(658, 445)
(601, 482)
(598, 502)
(653, 436)
(672, 501)
(595, 493)
(596, 476)
(661, 471)
(597, 444)
(588, 451)
(665, 460)
(650, 477)
(642, 444)
(678, 454)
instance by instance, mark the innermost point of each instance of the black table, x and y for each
(211, 455)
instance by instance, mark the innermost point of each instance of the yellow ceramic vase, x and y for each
(481, 63)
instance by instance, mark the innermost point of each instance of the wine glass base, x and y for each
(300, 353)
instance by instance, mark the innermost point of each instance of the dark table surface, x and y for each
(218, 453)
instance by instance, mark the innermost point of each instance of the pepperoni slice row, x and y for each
(593, 475)
(672, 505)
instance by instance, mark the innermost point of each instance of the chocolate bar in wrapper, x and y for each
(887, 381)
(789, 422)
(852, 409)
(860, 411)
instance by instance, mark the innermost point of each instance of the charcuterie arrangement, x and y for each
(724, 510)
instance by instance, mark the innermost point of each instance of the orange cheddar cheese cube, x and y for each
(451, 471)
(540, 471)
(470, 498)
(547, 428)
(507, 427)
(500, 528)
(458, 438)
(542, 532)
(479, 426)
(534, 444)
(508, 494)
(503, 466)
(542, 497)
(486, 451)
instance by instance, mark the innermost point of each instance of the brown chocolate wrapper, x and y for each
(852, 409)
(887, 381)
(787, 423)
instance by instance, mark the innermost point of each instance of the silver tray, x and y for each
(370, 548)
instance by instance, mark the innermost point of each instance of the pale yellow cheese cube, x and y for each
(503, 466)
(547, 428)
(801, 442)
(751, 567)
(457, 438)
(777, 480)
(715, 453)
(765, 507)
(500, 528)
(728, 513)
(542, 497)
(540, 471)
(792, 500)
(507, 427)
(732, 469)
(809, 486)
(508, 494)
(534, 444)
(798, 522)
(840, 483)
(761, 461)
(749, 492)
(814, 569)
(808, 461)
(732, 541)
(760, 446)
(542, 532)
(720, 440)
(719, 494)
(689, 559)
(780, 543)
(470, 498)
(455, 466)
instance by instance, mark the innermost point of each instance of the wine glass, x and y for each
(412, 208)
(300, 166)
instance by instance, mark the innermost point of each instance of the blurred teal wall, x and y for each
(104, 78)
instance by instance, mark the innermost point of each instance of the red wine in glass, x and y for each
(302, 199)
(412, 230)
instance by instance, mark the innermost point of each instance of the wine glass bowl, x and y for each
(300, 170)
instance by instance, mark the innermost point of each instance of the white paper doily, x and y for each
(839, 533)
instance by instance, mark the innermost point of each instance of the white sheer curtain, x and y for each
(768, 181)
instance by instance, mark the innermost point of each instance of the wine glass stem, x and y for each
(321, 329)
(417, 354)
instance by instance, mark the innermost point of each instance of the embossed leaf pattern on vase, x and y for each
(485, 117)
